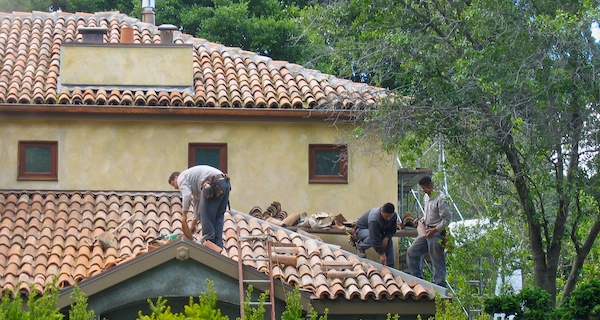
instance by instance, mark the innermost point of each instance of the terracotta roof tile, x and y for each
(70, 221)
(223, 77)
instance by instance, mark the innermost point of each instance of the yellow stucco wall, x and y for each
(267, 161)
(136, 64)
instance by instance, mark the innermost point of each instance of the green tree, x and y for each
(266, 27)
(510, 87)
(25, 5)
(261, 26)
(350, 37)
(125, 6)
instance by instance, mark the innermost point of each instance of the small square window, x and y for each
(212, 154)
(328, 163)
(38, 160)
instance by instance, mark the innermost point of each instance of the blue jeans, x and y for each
(212, 213)
(416, 251)
(365, 243)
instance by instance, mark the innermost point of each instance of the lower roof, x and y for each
(54, 233)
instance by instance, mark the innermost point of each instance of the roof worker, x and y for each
(208, 188)
(375, 229)
(432, 236)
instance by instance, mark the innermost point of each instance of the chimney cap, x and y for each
(167, 27)
(92, 34)
(93, 30)
(148, 4)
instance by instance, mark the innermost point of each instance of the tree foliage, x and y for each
(510, 87)
(263, 26)
(584, 303)
(125, 6)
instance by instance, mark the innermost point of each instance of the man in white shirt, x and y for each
(436, 220)
(192, 183)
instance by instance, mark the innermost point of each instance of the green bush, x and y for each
(43, 307)
(40, 307)
(204, 309)
(293, 309)
(446, 310)
(258, 312)
(583, 303)
(530, 304)
(79, 306)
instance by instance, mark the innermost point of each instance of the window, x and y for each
(327, 163)
(38, 160)
(212, 154)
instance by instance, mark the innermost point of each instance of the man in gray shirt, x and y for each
(437, 218)
(375, 229)
(210, 212)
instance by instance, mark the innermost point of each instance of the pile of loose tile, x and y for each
(272, 211)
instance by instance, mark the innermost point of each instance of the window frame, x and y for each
(221, 147)
(341, 178)
(23, 175)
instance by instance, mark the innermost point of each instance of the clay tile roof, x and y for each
(65, 245)
(224, 77)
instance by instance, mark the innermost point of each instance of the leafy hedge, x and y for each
(534, 304)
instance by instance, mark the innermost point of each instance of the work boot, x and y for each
(361, 252)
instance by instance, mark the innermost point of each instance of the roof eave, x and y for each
(180, 249)
(230, 113)
(395, 306)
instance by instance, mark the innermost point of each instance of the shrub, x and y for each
(40, 306)
(258, 312)
(204, 309)
(43, 307)
(79, 306)
(530, 304)
(446, 310)
(293, 309)
(583, 303)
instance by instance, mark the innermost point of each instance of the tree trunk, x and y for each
(544, 274)
(580, 257)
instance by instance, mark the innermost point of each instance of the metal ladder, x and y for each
(274, 249)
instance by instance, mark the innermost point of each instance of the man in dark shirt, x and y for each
(375, 229)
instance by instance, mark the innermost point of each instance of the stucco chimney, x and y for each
(148, 11)
(126, 34)
(92, 34)
(166, 33)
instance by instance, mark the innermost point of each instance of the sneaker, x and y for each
(361, 253)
